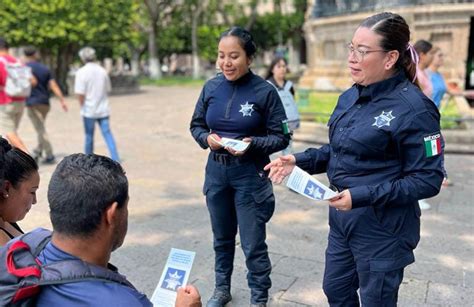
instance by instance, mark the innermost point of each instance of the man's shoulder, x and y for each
(91, 71)
(38, 66)
(8, 58)
(91, 293)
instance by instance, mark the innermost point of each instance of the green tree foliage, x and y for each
(121, 27)
(208, 38)
(269, 30)
(60, 27)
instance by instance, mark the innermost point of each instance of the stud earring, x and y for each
(5, 195)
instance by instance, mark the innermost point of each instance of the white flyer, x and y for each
(306, 185)
(236, 145)
(175, 275)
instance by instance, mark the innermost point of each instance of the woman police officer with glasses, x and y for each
(384, 154)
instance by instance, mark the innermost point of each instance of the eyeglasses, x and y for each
(360, 54)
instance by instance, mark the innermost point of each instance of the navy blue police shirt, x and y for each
(384, 145)
(247, 107)
(40, 92)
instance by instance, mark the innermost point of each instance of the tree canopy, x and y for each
(122, 27)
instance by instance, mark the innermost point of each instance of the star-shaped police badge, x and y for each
(246, 109)
(173, 280)
(383, 119)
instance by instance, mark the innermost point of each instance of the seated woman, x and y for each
(19, 180)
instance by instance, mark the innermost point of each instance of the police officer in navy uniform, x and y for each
(384, 155)
(238, 104)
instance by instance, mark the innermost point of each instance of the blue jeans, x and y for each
(89, 125)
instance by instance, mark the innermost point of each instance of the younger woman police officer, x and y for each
(384, 155)
(240, 105)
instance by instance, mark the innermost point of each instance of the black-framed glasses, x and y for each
(359, 54)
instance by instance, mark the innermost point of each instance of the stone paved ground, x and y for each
(165, 168)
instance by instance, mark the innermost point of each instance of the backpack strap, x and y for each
(61, 272)
(76, 270)
(36, 240)
(272, 84)
(24, 249)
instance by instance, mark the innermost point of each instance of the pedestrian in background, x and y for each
(384, 155)
(425, 52)
(238, 104)
(276, 76)
(439, 89)
(91, 86)
(13, 94)
(38, 106)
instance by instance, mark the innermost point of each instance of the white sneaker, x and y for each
(424, 204)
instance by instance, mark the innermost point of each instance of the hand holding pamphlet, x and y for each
(175, 275)
(236, 145)
(308, 186)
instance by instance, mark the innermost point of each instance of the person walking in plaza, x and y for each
(38, 106)
(425, 52)
(238, 104)
(439, 89)
(91, 86)
(424, 49)
(12, 107)
(384, 154)
(19, 181)
(276, 75)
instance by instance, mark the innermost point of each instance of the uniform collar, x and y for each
(376, 89)
(242, 79)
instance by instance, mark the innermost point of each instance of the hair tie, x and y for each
(414, 58)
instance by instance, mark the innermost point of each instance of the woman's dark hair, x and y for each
(395, 34)
(423, 46)
(3, 144)
(29, 51)
(244, 37)
(4, 44)
(274, 62)
(17, 164)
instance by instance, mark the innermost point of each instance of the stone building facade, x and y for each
(331, 23)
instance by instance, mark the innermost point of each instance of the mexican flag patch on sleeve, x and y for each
(432, 145)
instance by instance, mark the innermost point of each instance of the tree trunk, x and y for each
(194, 40)
(64, 59)
(153, 62)
(135, 62)
(253, 15)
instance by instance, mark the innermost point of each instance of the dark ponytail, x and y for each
(395, 34)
